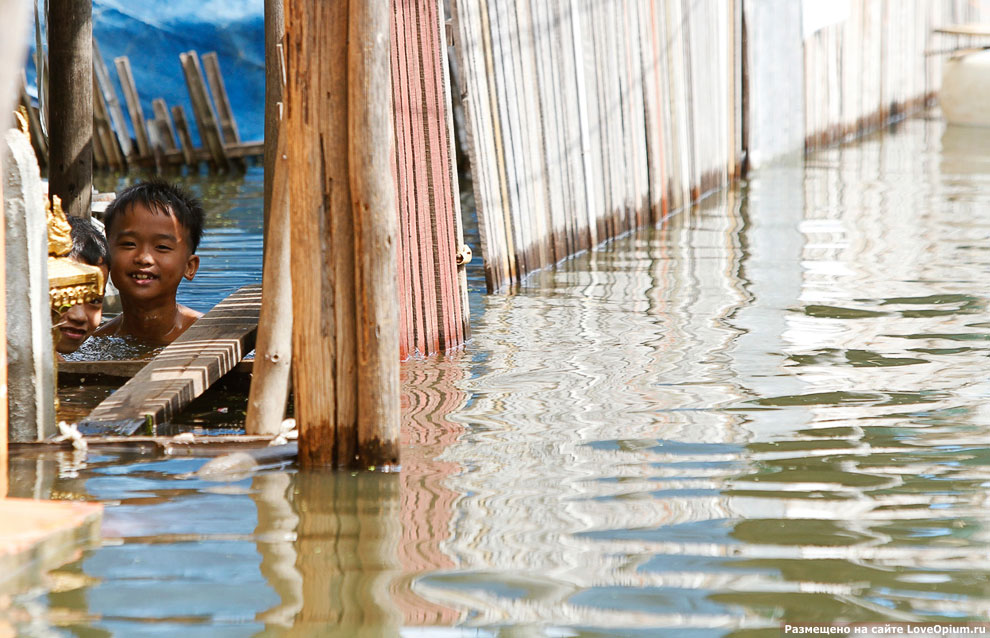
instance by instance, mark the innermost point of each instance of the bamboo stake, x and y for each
(70, 51)
(123, 65)
(185, 139)
(228, 125)
(166, 131)
(370, 146)
(203, 111)
(273, 351)
(113, 102)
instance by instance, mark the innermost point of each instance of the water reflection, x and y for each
(774, 407)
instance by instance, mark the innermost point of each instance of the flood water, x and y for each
(774, 407)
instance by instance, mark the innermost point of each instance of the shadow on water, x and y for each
(772, 408)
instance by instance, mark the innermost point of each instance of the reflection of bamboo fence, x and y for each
(586, 119)
(165, 140)
(430, 394)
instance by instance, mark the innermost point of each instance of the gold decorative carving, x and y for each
(59, 231)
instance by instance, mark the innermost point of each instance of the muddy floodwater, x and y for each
(774, 408)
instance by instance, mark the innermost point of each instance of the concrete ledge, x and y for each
(37, 536)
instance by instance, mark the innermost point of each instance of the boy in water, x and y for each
(153, 230)
(78, 322)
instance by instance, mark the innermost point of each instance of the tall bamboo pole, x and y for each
(371, 145)
(70, 53)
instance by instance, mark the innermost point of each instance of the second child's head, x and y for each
(78, 322)
(153, 230)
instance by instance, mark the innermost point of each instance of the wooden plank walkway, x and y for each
(209, 349)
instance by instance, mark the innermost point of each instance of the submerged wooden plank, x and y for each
(209, 349)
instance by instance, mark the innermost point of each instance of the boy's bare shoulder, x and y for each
(109, 328)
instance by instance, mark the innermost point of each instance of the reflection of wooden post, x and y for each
(376, 221)
(277, 524)
(70, 106)
(347, 546)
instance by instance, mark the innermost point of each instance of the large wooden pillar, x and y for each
(344, 294)
(70, 105)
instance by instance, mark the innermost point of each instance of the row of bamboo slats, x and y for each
(872, 66)
(165, 139)
(432, 285)
(586, 119)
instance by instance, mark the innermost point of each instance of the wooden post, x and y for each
(113, 102)
(203, 111)
(273, 351)
(323, 334)
(70, 52)
(274, 80)
(123, 65)
(185, 139)
(371, 152)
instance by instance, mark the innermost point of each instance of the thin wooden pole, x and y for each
(273, 351)
(70, 51)
(274, 79)
(371, 144)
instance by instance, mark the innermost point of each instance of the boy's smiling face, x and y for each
(150, 255)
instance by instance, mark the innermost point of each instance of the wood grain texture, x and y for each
(204, 353)
(133, 102)
(203, 109)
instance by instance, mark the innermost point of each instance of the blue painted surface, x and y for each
(153, 34)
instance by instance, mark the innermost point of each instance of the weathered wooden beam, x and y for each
(103, 138)
(371, 147)
(209, 349)
(123, 65)
(323, 332)
(38, 139)
(270, 386)
(228, 125)
(185, 139)
(70, 106)
(113, 102)
(166, 130)
(203, 111)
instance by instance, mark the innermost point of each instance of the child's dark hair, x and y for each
(159, 196)
(88, 243)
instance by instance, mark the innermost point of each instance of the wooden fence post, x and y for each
(344, 298)
(323, 335)
(70, 52)
(371, 152)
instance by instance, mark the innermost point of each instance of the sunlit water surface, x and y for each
(775, 407)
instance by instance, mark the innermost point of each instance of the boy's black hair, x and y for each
(88, 243)
(160, 196)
